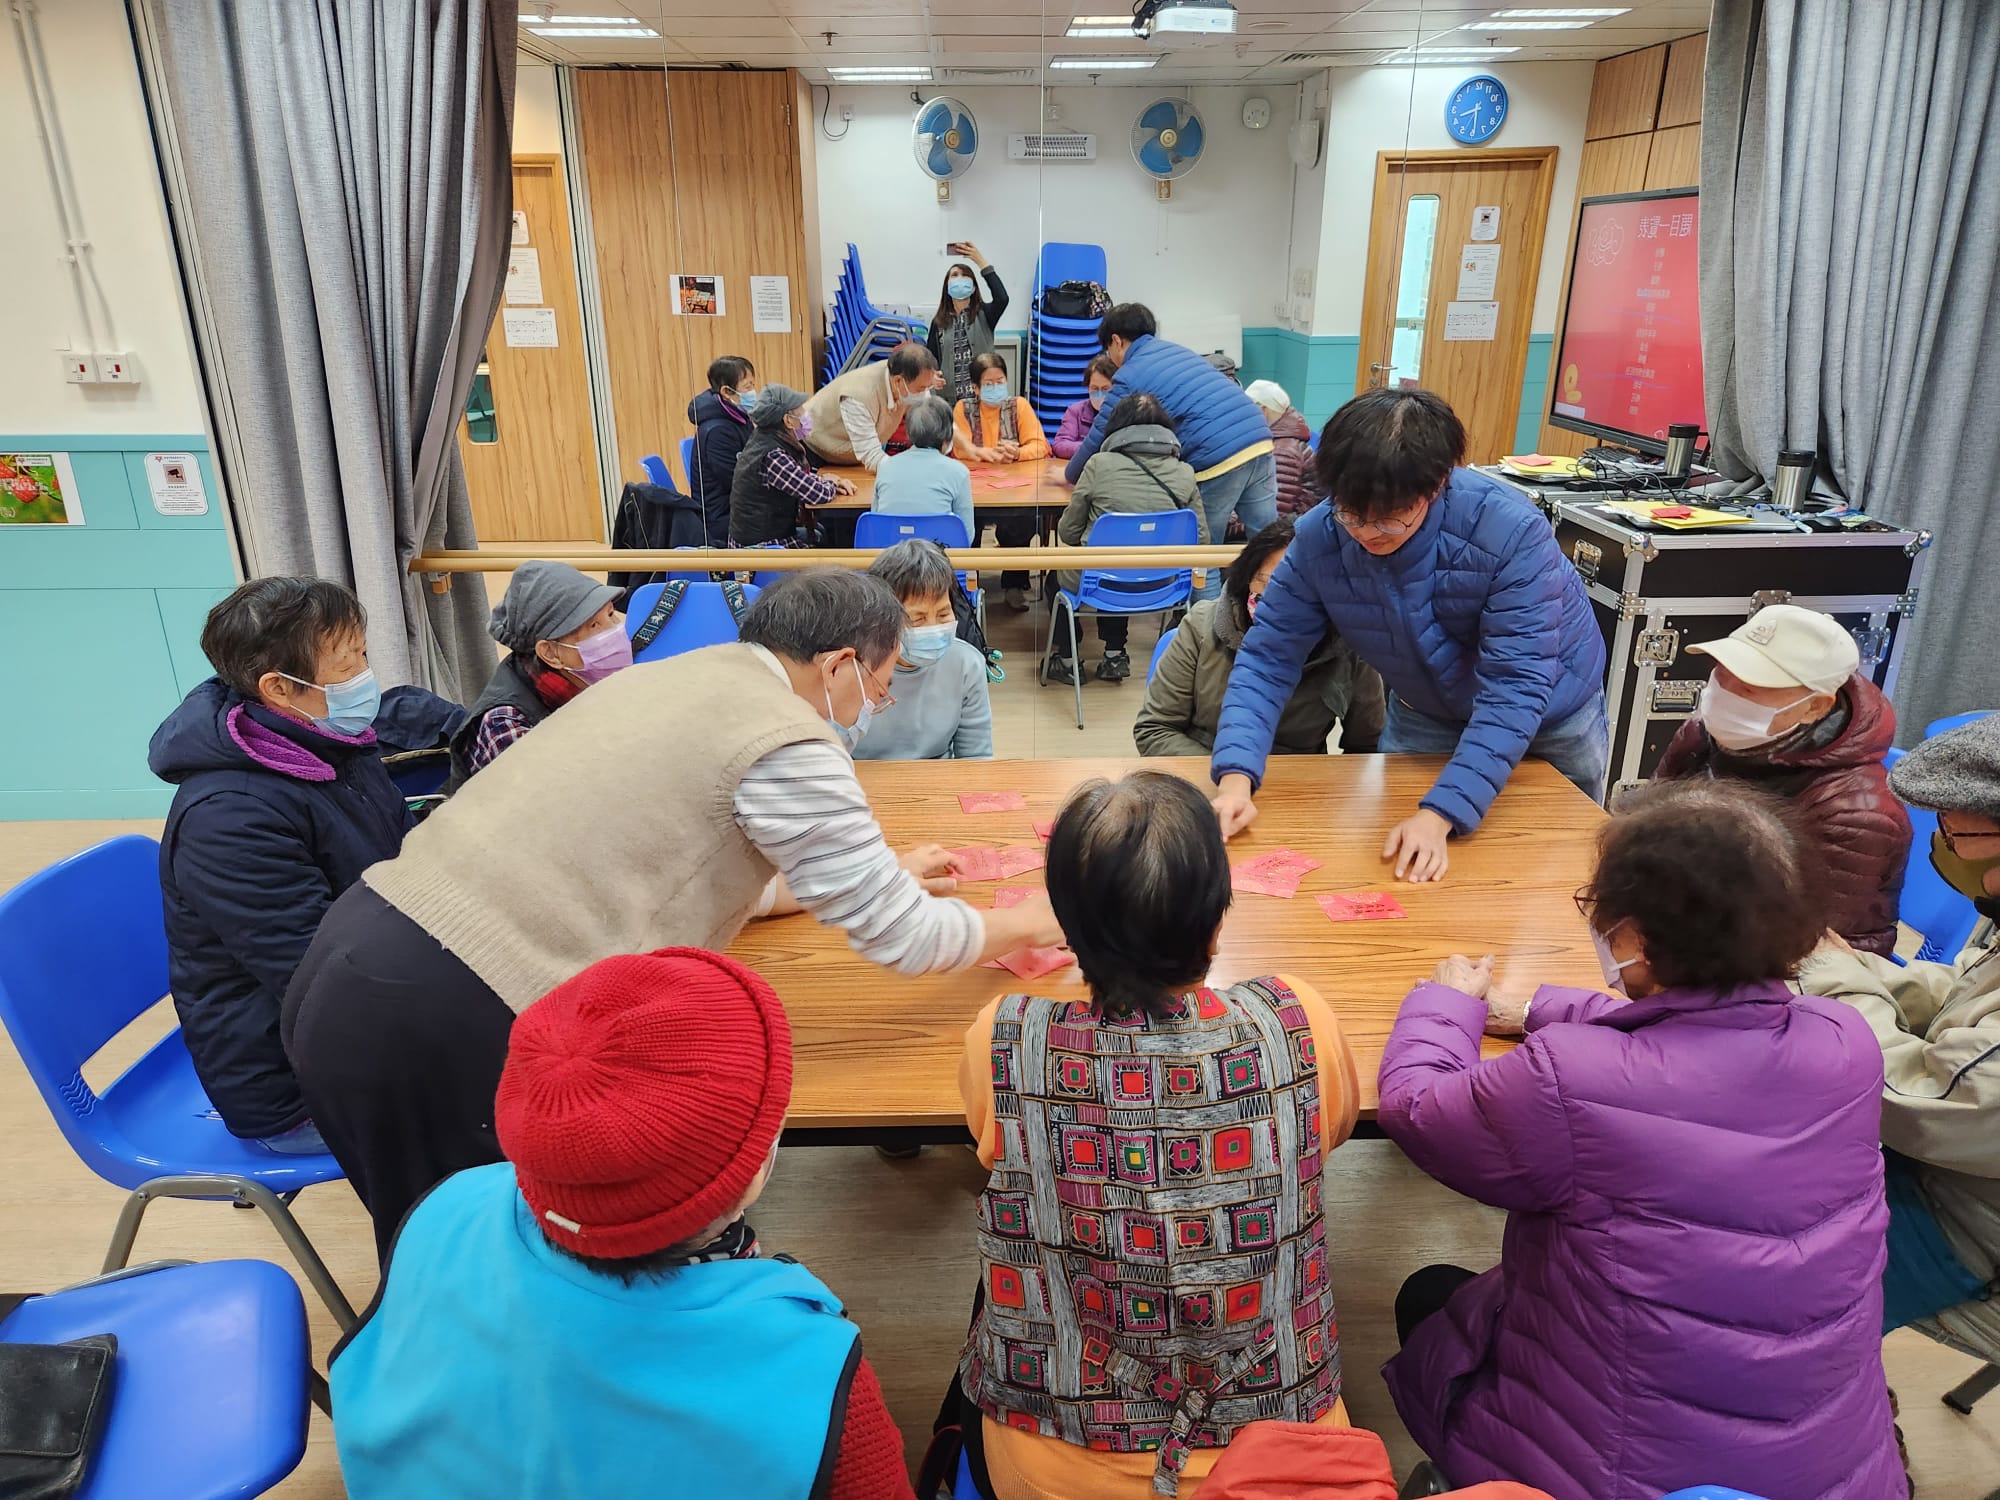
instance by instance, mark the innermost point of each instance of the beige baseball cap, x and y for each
(1783, 645)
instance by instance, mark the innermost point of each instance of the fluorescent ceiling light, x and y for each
(1444, 55)
(1099, 33)
(1562, 10)
(879, 75)
(1102, 64)
(1125, 21)
(634, 31)
(579, 21)
(1525, 25)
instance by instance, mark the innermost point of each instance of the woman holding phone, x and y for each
(963, 328)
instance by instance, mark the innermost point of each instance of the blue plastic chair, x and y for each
(657, 471)
(687, 463)
(1063, 260)
(208, 1391)
(1712, 1492)
(83, 952)
(703, 619)
(874, 529)
(963, 1488)
(1159, 650)
(1937, 727)
(1138, 592)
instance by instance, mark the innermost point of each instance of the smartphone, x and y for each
(954, 247)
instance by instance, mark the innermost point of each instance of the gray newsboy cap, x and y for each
(545, 600)
(772, 404)
(1959, 771)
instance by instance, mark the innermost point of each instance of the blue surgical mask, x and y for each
(350, 706)
(959, 287)
(1097, 400)
(994, 395)
(924, 644)
(746, 397)
(851, 734)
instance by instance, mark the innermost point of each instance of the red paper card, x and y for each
(1018, 859)
(1012, 895)
(991, 802)
(978, 862)
(1248, 877)
(1045, 828)
(1032, 963)
(1362, 906)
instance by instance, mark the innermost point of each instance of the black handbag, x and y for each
(54, 1399)
(1076, 299)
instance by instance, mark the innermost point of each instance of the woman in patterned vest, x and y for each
(1153, 1260)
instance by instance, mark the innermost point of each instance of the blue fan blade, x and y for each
(940, 159)
(1160, 115)
(1153, 157)
(936, 120)
(1189, 145)
(968, 141)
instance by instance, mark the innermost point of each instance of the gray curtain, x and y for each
(1850, 271)
(351, 189)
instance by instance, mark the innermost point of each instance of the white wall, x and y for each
(1384, 109)
(103, 116)
(1215, 251)
(537, 120)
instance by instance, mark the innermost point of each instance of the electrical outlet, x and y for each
(78, 369)
(117, 369)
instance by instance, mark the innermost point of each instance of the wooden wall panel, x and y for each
(1680, 94)
(1676, 158)
(1625, 94)
(1616, 165)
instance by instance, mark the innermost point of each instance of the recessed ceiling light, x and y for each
(1440, 55)
(1562, 10)
(1125, 21)
(635, 31)
(1102, 64)
(578, 21)
(879, 75)
(1099, 33)
(1525, 25)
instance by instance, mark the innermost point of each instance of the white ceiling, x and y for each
(978, 35)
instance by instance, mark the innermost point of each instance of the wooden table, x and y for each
(877, 1053)
(1049, 490)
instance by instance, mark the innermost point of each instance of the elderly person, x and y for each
(994, 425)
(562, 632)
(654, 812)
(1299, 489)
(1082, 415)
(1787, 709)
(1184, 696)
(924, 480)
(940, 684)
(775, 476)
(1692, 1264)
(1939, 1030)
(856, 413)
(1451, 586)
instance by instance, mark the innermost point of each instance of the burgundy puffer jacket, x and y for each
(1842, 792)
(1299, 489)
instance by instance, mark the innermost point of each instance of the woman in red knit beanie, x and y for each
(591, 1316)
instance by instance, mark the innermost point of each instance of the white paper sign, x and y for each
(1486, 222)
(175, 480)
(1478, 271)
(520, 226)
(770, 304)
(529, 327)
(524, 276)
(698, 297)
(1471, 322)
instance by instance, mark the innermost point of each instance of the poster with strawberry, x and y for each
(38, 489)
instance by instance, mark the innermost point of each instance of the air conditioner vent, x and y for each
(1066, 147)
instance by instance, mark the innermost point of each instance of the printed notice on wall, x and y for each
(1486, 222)
(770, 304)
(524, 275)
(176, 484)
(529, 327)
(38, 489)
(520, 226)
(1478, 273)
(1471, 322)
(698, 296)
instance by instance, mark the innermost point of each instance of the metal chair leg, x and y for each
(1076, 666)
(1962, 1397)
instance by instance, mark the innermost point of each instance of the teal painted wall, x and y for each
(103, 625)
(1319, 371)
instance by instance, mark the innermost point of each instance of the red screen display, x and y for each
(1631, 348)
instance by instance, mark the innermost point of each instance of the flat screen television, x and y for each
(1628, 360)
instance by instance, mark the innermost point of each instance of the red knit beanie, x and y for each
(641, 1098)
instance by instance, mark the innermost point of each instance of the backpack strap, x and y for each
(661, 612)
(1165, 488)
(732, 595)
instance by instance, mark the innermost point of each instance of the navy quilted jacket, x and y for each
(1213, 419)
(1478, 618)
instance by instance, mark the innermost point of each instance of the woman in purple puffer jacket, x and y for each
(1690, 1286)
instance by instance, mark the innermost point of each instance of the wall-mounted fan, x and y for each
(1167, 140)
(944, 140)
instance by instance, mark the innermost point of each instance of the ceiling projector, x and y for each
(1186, 17)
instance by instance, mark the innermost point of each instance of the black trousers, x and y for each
(398, 1047)
(1113, 630)
(1012, 527)
(1424, 1293)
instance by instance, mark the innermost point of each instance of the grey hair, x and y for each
(928, 424)
(826, 609)
(915, 569)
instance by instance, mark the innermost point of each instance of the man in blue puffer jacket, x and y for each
(1222, 432)
(1451, 586)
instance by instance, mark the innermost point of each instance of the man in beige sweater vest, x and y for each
(856, 413)
(664, 808)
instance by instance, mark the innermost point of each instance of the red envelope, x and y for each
(1045, 828)
(1362, 906)
(1018, 859)
(1012, 895)
(977, 862)
(1259, 877)
(1010, 484)
(1032, 963)
(991, 802)
(1286, 859)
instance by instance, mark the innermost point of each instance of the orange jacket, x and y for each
(1290, 1461)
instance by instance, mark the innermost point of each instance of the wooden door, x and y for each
(1425, 249)
(537, 480)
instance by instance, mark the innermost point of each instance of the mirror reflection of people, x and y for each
(852, 416)
(1692, 1178)
(1299, 489)
(1076, 422)
(776, 480)
(1448, 583)
(721, 418)
(962, 328)
(1787, 709)
(942, 709)
(995, 426)
(924, 479)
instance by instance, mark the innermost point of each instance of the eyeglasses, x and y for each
(1953, 840)
(1586, 903)
(887, 698)
(1353, 521)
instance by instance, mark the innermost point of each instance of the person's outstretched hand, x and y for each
(1507, 1004)
(841, 486)
(1417, 844)
(931, 864)
(1467, 976)
(1235, 809)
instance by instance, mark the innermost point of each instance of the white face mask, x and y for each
(1735, 723)
(1612, 966)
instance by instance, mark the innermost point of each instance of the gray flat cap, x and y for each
(1959, 771)
(544, 601)
(772, 404)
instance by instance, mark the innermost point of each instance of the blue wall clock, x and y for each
(1476, 110)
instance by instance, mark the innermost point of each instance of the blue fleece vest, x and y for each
(491, 1364)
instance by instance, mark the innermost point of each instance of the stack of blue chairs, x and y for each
(856, 319)
(1060, 349)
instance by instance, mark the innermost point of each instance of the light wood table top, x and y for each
(877, 1052)
(1048, 490)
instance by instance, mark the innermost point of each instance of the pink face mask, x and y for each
(608, 651)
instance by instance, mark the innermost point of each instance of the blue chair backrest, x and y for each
(703, 619)
(874, 529)
(656, 470)
(1312, 439)
(1712, 1492)
(687, 463)
(1159, 528)
(1937, 727)
(83, 952)
(1159, 651)
(1062, 261)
